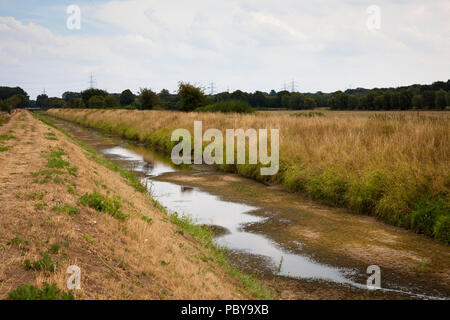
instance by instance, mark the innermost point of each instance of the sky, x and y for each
(323, 45)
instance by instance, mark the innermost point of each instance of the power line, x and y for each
(211, 88)
(91, 81)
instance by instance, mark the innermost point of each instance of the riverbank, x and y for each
(62, 204)
(391, 166)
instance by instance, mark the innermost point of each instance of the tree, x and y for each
(417, 101)
(339, 100)
(148, 99)
(56, 103)
(18, 101)
(126, 97)
(296, 101)
(440, 101)
(395, 100)
(353, 102)
(190, 97)
(405, 100)
(69, 95)
(110, 102)
(96, 101)
(5, 107)
(7, 92)
(76, 103)
(428, 99)
(310, 103)
(42, 101)
(89, 93)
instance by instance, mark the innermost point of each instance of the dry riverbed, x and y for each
(332, 236)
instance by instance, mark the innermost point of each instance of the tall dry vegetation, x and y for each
(394, 166)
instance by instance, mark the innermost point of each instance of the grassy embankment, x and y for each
(63, 204)
(390, 165)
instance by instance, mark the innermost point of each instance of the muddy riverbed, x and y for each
(299, 248)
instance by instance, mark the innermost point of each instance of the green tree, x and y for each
(190, 97)
(89, 93)
(56, 103)
(428, 97)
(148, 99)
(126, 97)
(417, 101)
(75, 103)
(19, 101)
(42, 101)
(110, 102)
(440, 100)
(353, 102)
(296, 101)
(96, 101)
(310, 103)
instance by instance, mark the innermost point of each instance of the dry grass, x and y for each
(131, 259)
(372, 162)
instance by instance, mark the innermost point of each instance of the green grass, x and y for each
(7, 137)
(147, 219)
(99, 202)
(48, 292)
(66, 209)
(43, 264)
(17, 241)
(3, 149)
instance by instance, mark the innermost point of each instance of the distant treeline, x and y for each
(189, 98)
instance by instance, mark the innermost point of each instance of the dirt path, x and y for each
(42, 178)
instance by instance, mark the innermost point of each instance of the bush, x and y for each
(236, 106)
(104, 204)
(442, 228)
(5, 107)
(49, 292)
(425, 216)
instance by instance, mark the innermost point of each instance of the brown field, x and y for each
(130, 259)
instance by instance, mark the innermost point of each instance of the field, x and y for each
(391, 165)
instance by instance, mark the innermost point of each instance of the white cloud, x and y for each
(252, 45)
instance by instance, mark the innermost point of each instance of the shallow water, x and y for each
(231, 216)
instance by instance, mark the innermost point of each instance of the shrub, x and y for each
(49, 292)
(43, 264)
(426, 214)
(104, 204)
(236, 106)
(5, 107)
(442, 228)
